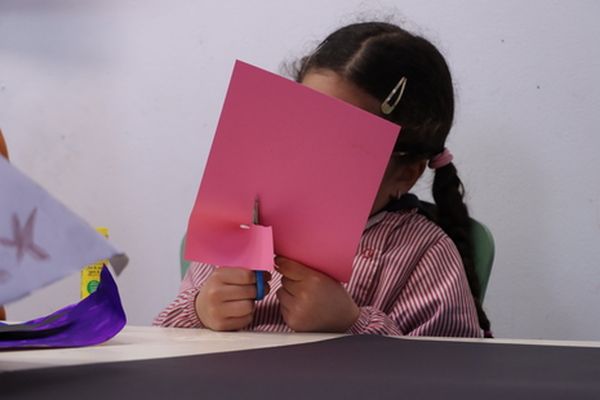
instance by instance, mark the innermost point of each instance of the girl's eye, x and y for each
(398, 156)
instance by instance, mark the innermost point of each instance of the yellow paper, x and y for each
(90, 275)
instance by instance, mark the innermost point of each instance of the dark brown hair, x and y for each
(375, 56)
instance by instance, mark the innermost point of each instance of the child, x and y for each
(410, 276)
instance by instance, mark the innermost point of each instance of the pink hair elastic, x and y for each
(441, 160)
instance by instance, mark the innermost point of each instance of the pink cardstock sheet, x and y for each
(314, 162)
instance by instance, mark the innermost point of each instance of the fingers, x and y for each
(235, 276)
(226, 301)
(218, 307)
(293, 312)
(291, 269)
(291, 286)
(238, 276)
(232, 324)
(227, 293)
(285, 300)
(220, 293)
(284, 295)
(237, 309)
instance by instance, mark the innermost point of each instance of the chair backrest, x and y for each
(183, 263)
(483, 253)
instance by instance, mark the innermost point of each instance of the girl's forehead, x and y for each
(334, 85)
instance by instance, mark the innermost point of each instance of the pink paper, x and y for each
(229, 245)
(315, 163)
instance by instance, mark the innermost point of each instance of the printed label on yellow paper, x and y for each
(90, 275)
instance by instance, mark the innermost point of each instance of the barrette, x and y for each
(387, 106)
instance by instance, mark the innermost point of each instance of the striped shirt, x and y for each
(407, 279)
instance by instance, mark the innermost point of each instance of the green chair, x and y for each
(483, 253)
(183, 263)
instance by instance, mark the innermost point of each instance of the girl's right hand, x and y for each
(226, 300)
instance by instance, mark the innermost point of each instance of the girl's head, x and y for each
(372, 58)
(362, 64)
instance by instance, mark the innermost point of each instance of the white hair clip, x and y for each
(387, 106)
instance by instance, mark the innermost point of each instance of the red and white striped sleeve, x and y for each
(181, 312)
(423, 291)
(437, 300)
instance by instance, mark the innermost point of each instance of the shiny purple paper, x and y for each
(93, 320)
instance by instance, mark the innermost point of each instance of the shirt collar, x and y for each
(407, 201)
(375, 219)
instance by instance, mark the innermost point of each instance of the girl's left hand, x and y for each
(312, 301)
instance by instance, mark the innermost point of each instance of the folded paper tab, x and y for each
(249, 246)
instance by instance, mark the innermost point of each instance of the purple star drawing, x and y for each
(4, 276)
(23, 238)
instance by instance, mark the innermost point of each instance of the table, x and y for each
(146, 342)
(145, 362)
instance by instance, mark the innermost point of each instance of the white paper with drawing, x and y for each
(41, 241)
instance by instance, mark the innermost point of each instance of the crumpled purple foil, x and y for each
(93, 320)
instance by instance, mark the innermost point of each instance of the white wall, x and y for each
(112, 105)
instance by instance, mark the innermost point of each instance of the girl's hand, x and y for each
(312, 301)
(226, 300)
